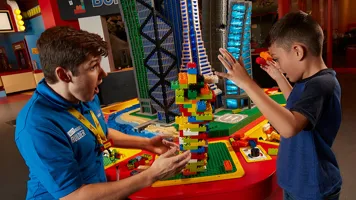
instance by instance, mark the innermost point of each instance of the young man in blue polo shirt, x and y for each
(306, 166)
(61, 131)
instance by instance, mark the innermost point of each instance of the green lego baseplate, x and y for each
(136, 114)
(220, 129)
(217, 154)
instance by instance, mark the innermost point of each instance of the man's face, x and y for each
(287, 61)
(84, 86)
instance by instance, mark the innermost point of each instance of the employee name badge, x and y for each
(108, 144)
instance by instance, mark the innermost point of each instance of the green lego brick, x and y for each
(207, 96)
(183, 86)
(192, 94)
(108, 161)
(272, 151)
(217, 153)
(187, 105)
(204, 117)
(174, 85)
(137, 114)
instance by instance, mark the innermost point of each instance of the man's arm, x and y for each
(166, 166)
(113, 190)
(284, 86)
(127, 141)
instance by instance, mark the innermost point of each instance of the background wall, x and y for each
(34, 27)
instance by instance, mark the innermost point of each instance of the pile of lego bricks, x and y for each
(194, 98)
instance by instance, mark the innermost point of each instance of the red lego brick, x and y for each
(242, 143)
(201, 136)
(227, 165)
(191, 65)
(198, 156)
(188, 173)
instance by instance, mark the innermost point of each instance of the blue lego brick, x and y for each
(201, 106)
(192, 119)
(192, 71)
(199, 150)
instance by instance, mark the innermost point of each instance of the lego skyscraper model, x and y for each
(238, 44)
(193, 45)
(159, 59)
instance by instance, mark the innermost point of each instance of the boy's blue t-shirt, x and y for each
(61, 153)
(306, 165)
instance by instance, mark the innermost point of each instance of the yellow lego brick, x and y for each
(188, 147)
(187, 125)
(179, 92)
(200, 129)
(192, 79)
(189, 140)
(193, 108)
(199, 143)
(181, 120)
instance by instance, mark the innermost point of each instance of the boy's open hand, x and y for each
(273, 70)
(236, 71)
(169, 164)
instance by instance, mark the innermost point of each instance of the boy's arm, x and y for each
(287, 123)
(284, 86)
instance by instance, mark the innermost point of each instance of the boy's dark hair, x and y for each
(297, 27)
(68, 48)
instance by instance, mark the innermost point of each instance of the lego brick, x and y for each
(191, 148)
(193, 119)
(181, 120)
(192, 71)
(183, 78)
(179, 92)
(199, 150)
(192, 94)
(193, 108)
(199, 156)
(201, 106)
(175, 85)
(200, 129)
(227, 165)
(205, 117)
(192, 79)
(272, 151)
(188, 126)
(187, 105)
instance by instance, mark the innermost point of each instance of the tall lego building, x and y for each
(238, 44)
(193, 45)
(132, 26)
(159, 58)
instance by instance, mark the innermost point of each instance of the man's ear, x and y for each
(299, 51)
(63, 74)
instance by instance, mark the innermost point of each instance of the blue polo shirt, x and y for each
(61, 153)
(306, 165)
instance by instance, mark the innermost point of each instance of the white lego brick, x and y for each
(190, 133)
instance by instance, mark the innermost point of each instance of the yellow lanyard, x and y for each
(97, 130)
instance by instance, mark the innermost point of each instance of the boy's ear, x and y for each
(299, 51)
(63, 74)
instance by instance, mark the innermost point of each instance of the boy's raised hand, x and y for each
(273, 70)
(236, 71)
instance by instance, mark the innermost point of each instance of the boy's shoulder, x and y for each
(323, 83)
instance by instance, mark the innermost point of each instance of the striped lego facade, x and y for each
(239, 45)
(193, 45)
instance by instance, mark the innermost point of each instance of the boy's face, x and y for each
(84, 86)
(288, 62)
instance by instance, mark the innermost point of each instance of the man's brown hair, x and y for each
(297, 27)
(66, 47)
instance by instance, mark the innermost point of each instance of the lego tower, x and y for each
(193, 96)
(238, 44)
(193, 45)
(160, 60)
